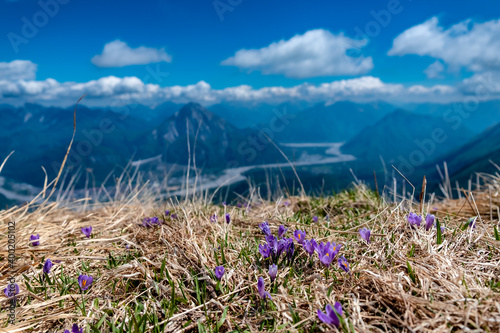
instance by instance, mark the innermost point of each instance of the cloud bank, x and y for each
(119, 54)
(114, 91)
(315, 53)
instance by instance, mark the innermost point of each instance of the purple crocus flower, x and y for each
(147, 222)
(273, 271)
(223, 203)
(414, 220)
(300, 236)
(34, 240)
(472, 222)
(327, 217)
(228, 218)
(127, 246)
(174, 216)
(286, 203)
(47, 266)
(265, 250)
(315, 219)
(167, 213)
(282, 246)
(327, 252)
(429, 221)
(273, 243)
(281, 231)
(262, 292)
(343, 264)
(87, 231)
(213, 218)
(219, 272)
(264, 226)
(290, 249)
(8, 291)
(310, 246)
(331, 317)
(365, 234)
(84, 281)
(74, 329)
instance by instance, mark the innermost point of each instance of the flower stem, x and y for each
(83, 303)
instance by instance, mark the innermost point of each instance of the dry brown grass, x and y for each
(455, 285)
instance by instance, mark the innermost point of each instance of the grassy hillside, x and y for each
(161, 277)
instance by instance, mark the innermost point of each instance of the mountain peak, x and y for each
(194, 111)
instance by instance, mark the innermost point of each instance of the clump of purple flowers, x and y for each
(414, 220)
(275, 246)
(332, 315)
(151, 221)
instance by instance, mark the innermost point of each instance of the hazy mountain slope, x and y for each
(474, 156)
(334, 123)
(254, 115)
(402, 135)
(475, 119)
(40, 136)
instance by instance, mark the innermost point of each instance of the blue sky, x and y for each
(195, 44)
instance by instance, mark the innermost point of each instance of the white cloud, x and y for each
(468, 44)
(435, 70)
(119, 54)
(17, 70)
(315, 53)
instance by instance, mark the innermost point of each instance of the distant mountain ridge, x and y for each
(333, 123)
(406, 140)
(474, 156)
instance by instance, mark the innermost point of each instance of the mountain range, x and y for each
(375, 133)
